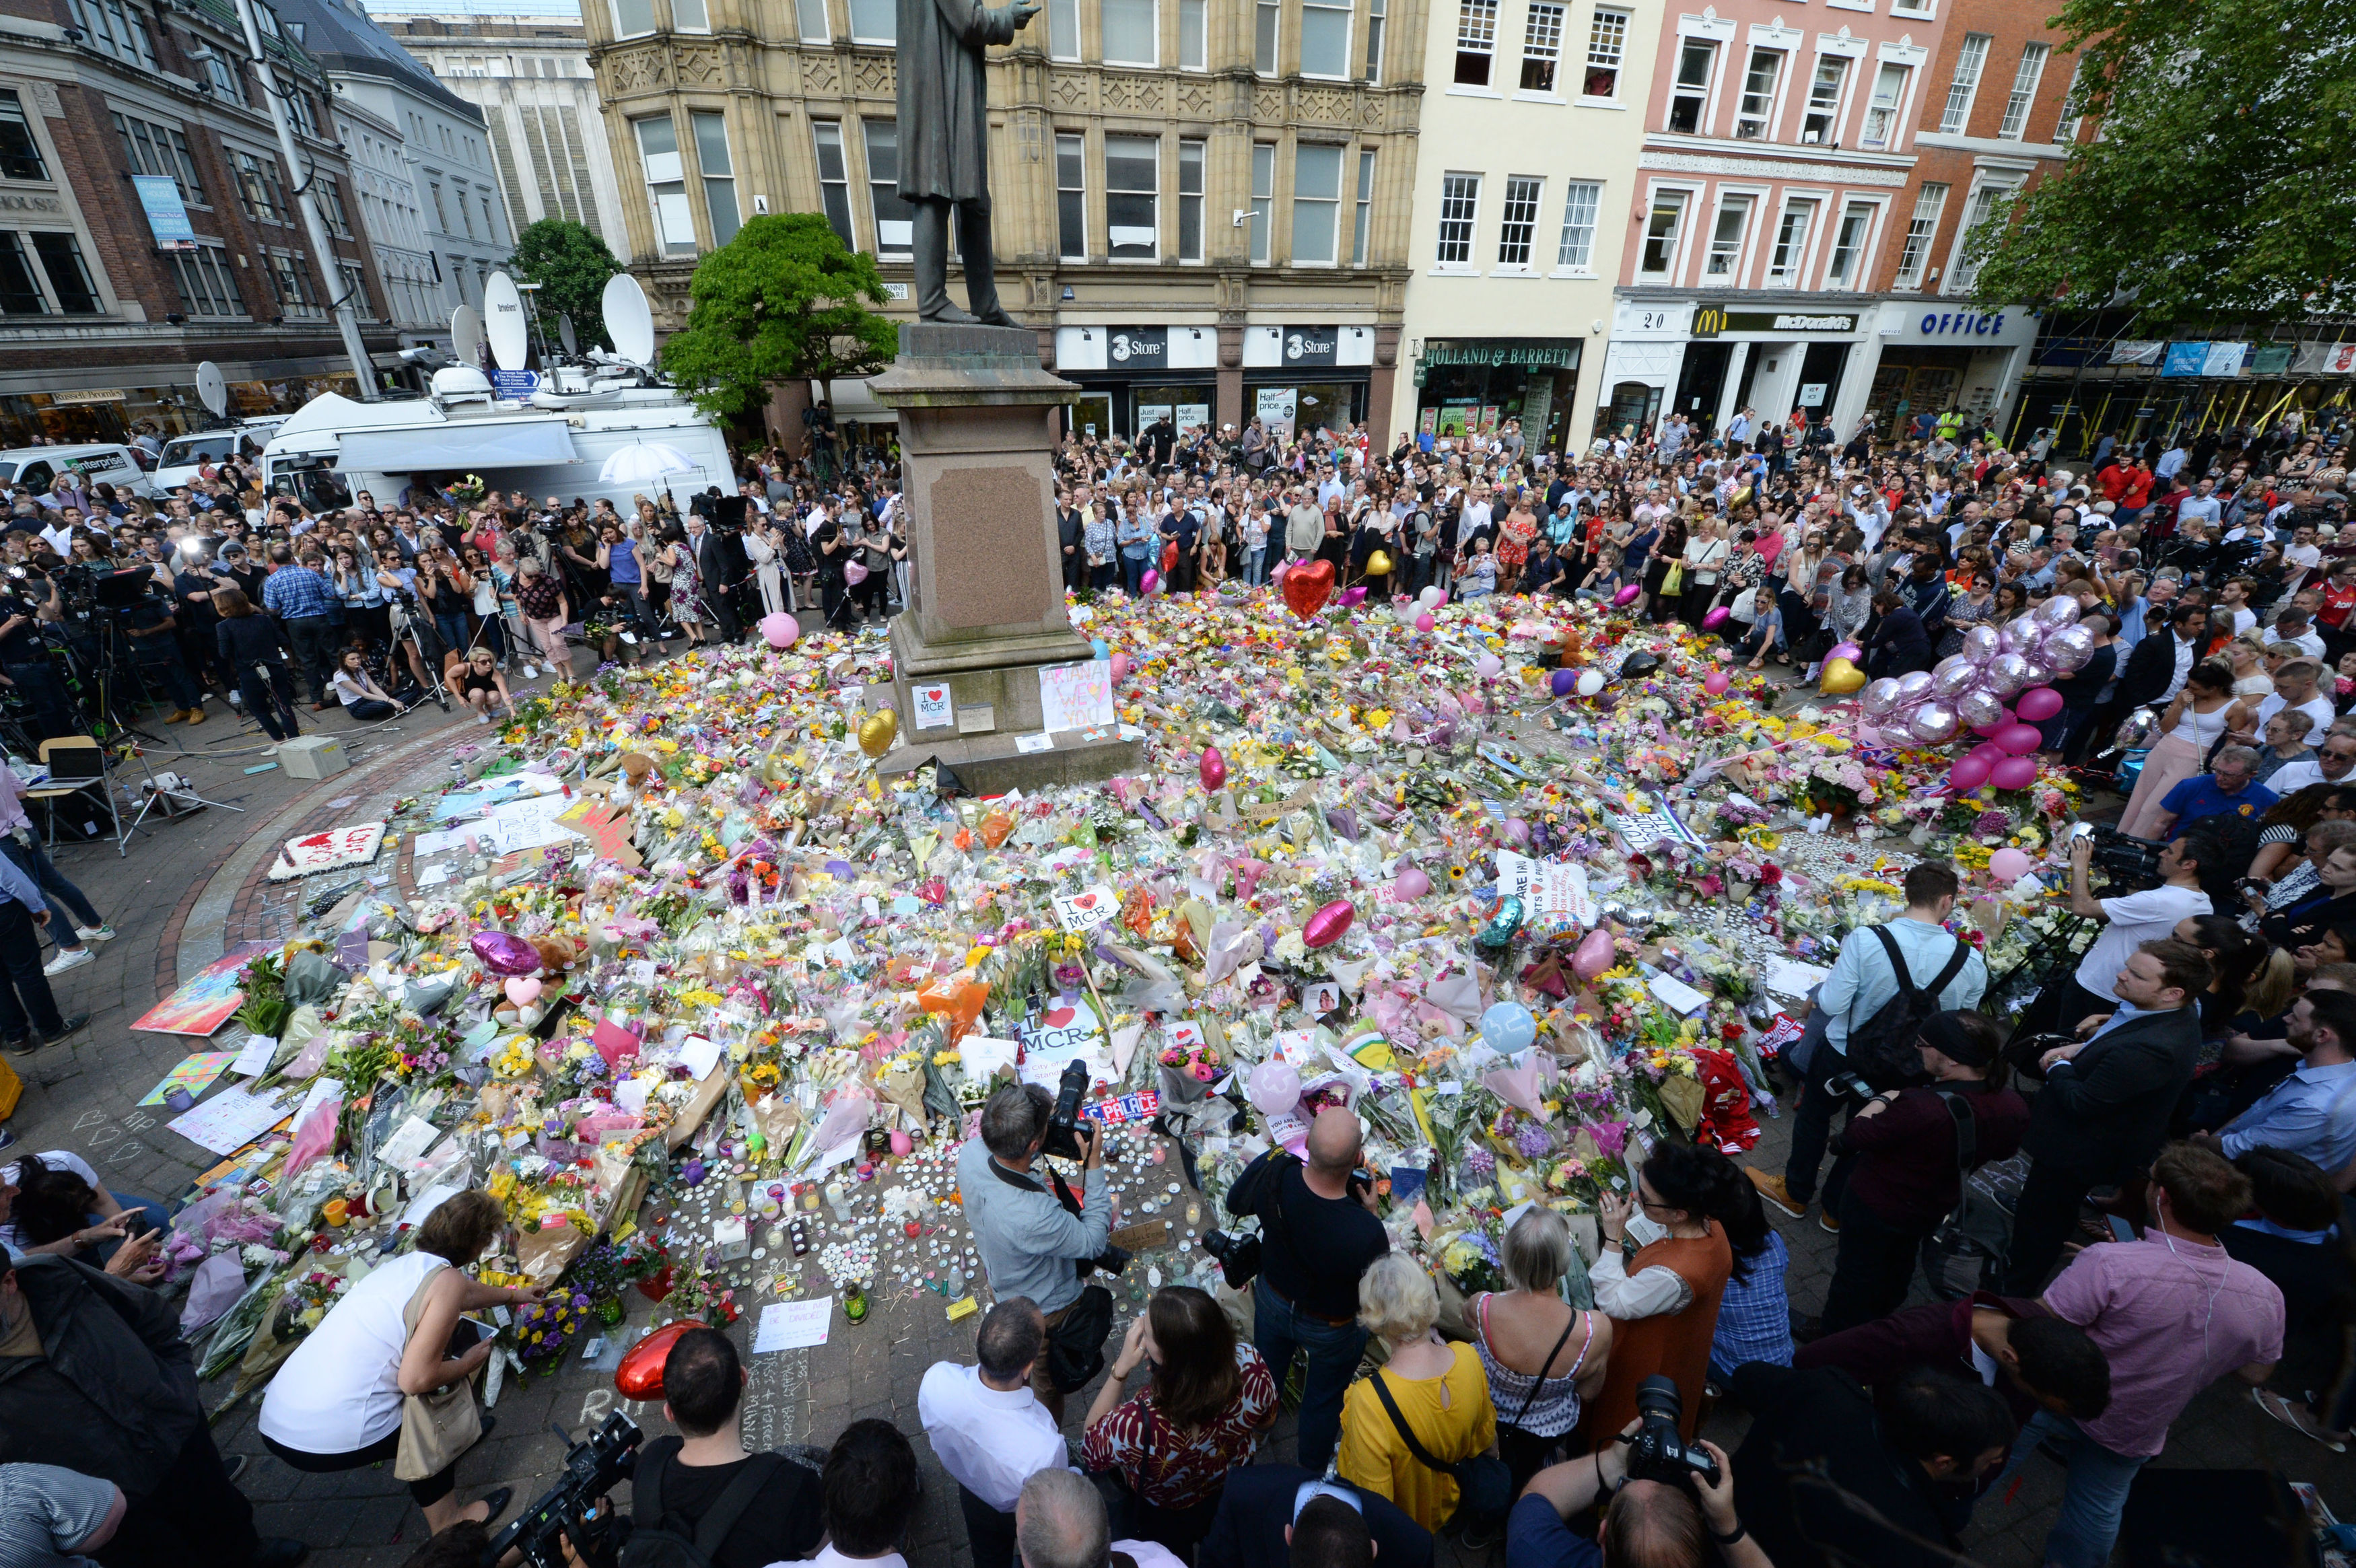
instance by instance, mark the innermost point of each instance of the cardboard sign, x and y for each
(932, 706)
(1075, 695)
(1087, 909)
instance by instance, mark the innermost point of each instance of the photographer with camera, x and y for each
(1659, 1497)
(1033, 1238)
(1829, 1475)
(1318, 1235)
(2129, 921)
(32, 601)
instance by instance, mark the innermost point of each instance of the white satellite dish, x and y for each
(467, 334)
(565, 334)
(212, 389)
(628, 321)
(504, 324)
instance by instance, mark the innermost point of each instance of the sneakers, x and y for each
(95, 932)
(68, 958)
(482, 717)
(1826, 1224)
(1773, 1192)
(268, 752)
(66, 1026)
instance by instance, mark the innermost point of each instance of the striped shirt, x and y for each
(45, 1511)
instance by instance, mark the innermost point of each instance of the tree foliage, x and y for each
(784, 301)
(571, 265)
(2209, 191)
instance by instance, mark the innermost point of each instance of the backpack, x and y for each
(665, 1540)
(1972, 1246)
(1882, 1049)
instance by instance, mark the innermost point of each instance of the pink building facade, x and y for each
(1779, 145)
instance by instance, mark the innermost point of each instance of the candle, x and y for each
(337, 1212)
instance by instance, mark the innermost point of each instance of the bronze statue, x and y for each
(945, 145)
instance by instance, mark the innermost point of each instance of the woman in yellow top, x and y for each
(1439, 1389)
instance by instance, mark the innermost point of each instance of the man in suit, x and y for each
(2103, 1111)
(1071, 539)
(2156, 670)
(720, 569)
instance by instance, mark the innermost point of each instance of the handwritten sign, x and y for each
(1087, 909)
(338, 847)
(1075, 695)
(1554, 895)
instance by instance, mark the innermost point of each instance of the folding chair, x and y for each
(77, 763)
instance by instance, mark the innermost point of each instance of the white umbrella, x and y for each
(642, 462)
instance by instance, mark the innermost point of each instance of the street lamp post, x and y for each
(346, 319)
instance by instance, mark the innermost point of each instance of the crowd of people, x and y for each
(2178, 1107)
(367, 605)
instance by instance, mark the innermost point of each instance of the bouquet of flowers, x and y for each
(606, 1268)
(303, 1305)
(544, 1330)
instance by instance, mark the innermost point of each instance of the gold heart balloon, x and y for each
(1839, 679)
(880, 729)
(1378, 563)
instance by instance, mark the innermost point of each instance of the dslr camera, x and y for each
(592, 1465)
(1063, 1139)
(1657, 1452)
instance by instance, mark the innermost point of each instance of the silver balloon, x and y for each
(1934, 724)
(1913, 687)
(2007, 672)
(2068, 649)
(1953, 678)
(2135, 729)
(2062, 610)
(1880, 696)
(2020, 634)
(2041, 670)
(1978, 710)
(1982, 643)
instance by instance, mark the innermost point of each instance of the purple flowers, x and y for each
(1532, 1140)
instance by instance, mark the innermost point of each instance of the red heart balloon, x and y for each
(640, 1375)
(1306, 588)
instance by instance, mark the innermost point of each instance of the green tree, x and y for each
(2209, 192)
(571, 265)
(784, 301)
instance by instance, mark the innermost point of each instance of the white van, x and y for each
(182, 454)
(98, 464)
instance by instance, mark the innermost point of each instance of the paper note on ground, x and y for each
(794, 1326)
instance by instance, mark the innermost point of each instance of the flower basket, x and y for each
(658, 1287)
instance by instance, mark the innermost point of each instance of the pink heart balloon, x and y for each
(523, 990)
(1212, 769)
(1595, 954)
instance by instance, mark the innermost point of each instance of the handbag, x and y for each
(1972, 1246)
(1485, 1487)
(435, 1428)
(1076, 1346)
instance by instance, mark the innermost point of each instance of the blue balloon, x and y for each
(1508, 1027)
(1103, 650)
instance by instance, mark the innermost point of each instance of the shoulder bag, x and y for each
(1970, 1249)
(1076, 1345)
(435, 1428)
(1485, 1487)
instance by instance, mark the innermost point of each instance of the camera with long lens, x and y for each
(592, 1465)
(2133, 863)
(1659, 1452)
(1062, 1139)
(1238, 1257)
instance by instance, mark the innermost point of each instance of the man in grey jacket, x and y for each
(1030, 1243)
(1304, 528)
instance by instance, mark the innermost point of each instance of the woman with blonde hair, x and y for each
(1436, 1390)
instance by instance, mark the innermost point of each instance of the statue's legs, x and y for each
(980, 268)
(930, 245)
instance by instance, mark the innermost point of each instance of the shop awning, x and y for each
(457, 446)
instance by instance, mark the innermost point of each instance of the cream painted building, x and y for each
(1201, 206)
(1533, 117)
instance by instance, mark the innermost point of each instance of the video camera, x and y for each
(2132, 862)
(592, 1465)
(1659, 1452)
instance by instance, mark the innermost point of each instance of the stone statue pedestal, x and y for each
(985, 611)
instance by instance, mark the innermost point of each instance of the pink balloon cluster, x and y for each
(1968, 690)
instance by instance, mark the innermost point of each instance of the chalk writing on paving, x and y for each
(110, 1138)
(777, 1389)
